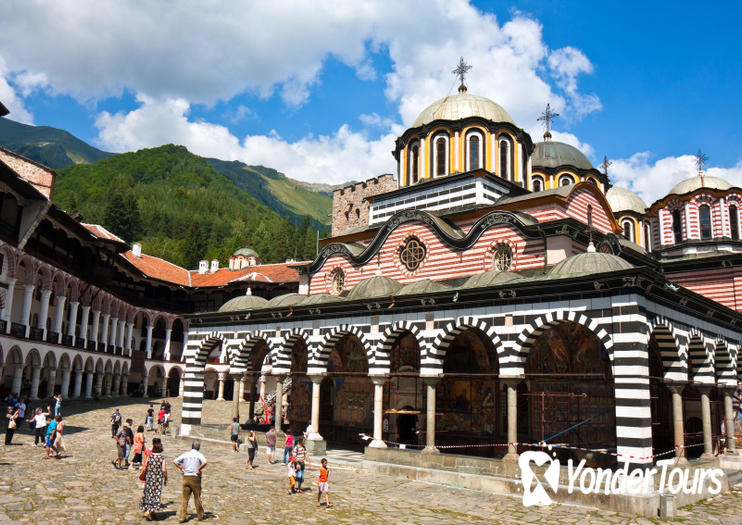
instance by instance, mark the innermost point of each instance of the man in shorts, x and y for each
(234, 430)
(270, 443)
(120, 438)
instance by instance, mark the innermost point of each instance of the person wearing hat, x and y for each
(122, 439)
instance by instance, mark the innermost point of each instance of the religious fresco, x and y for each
(404, 391)
(570, 389)
(300, 402)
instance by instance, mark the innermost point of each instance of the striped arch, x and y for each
(432, 360)
(282, 356)
(701, 357)
(674, 354)
(726, 363)
(381, 360)
(543, 323)
(322, 353)
(195, 358)
(240, 357)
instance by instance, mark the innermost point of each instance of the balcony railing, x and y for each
(52, 337)
(67, 340)
(18, 329)
(37, 334)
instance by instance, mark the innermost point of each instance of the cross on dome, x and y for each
(605, 165)
(547, 116)
(701, 160)
(462, 68)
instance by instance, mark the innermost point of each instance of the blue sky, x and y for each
(319, 91)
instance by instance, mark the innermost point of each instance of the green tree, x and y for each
(121, 217)
(194, 244)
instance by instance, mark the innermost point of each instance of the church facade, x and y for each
(501, 294)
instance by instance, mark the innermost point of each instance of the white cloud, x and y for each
(652, 180)
(10, 98)
(335, 158)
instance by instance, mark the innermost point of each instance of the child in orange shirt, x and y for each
(292, 474)
(323, 484)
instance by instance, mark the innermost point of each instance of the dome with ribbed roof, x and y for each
(247, 252)
(622, 199)
(287, 299)
(587, 264)
(698, 182)
(489, 278)
(552, 154)
(319, 298)
(243, 302)
(422, 286)
(377, 286)
(460, 106)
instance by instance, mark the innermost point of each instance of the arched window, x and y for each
(566, 180)
(506, 157)
(734, 222)
(440, 155)
(474, 151)
(647, 236)
(704, 216)
(592, 181)
(537, 183)
(628, 229)
(413, 171)
(677, 225)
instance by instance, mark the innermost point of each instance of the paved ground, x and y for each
(84, 488)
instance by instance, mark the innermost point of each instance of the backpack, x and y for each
(116, 419)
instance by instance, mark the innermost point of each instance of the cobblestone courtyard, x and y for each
(83, 487)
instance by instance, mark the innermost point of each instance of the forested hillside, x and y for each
(180, 208)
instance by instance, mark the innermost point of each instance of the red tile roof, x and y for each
(167, 271)
(100, 231)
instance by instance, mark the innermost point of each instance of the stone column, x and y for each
(242, 387)
(121, 334)
(78, 384)
(35, 374)
(106, 390)
(708, 449)
(129, 334)
(430, 383)
(677, 422)
(26, 311)
(44, 312)
(378, 441)
(250, 380)
(59, 317)
(729, 420)
(511, 386)
(88, 385)
(279, 407)
(51, 379)
(85, 318)
(236, 396)
(113, 334)
(94, 328)
(166, 352)
(104, 331)
(124, 384)
(17, 379)
(262, 386)
(65, 386)
(316, 384)
(8, 308)
(220, 397)
(99, 383)
(145, 378)
(116, 384)
(181, 387)
(148, 348)
(72, 320)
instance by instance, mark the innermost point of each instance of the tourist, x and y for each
(161, 419)
(166, 423)
(150, 420)
(115, 422)
(13, 417)
(288, 446)
(129, 439)
(51, 435)
(13, 400)
(39, 426)
(252, 443)
(292, 474)
(58, 443)
(323, 484)
(154, 475)
(234, 430)
(302, 459)
(57, 405)
(21, 409)
(121, 438)
(137, 448)
(191, 464)
(270, 442)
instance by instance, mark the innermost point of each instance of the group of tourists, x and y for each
(47, 426)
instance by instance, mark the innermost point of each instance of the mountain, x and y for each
(285, 195)
(52, 147)
(181, 208)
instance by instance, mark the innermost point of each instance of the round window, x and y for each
(412, 254)
(502, 257)
(338, 282)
